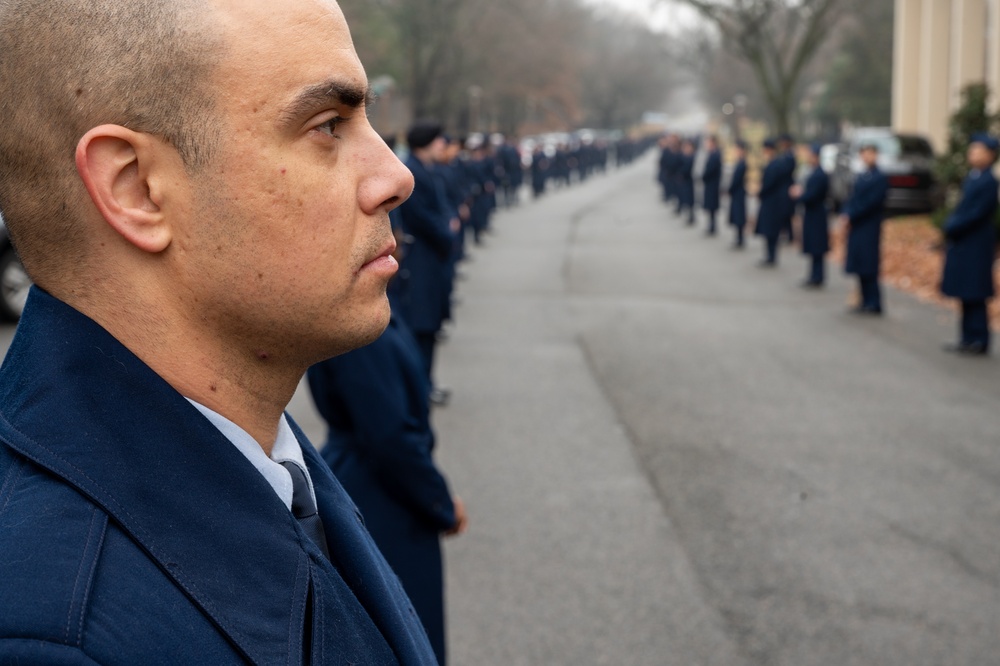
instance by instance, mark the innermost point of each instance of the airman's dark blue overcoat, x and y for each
(815, 216)
(685, 174)
(971, 236)
(663, 175)
(711, 178)
(769, 216)
(380, 444)
(738, 195)
(426, 216)
(132, 531)
(785, 204)
(866, 211)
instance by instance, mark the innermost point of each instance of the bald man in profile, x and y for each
(203, 206)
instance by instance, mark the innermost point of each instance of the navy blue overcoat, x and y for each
(815, 216)
(663, 170)
(971, 236)
(132, 531)
(738, 195)
(711, 178)
(380, 444)
(866, 211)
(685, 175)
(483, 201)
(426, 216)
(769, 217)
(786, 205)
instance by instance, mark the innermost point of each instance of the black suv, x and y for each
(906, 159)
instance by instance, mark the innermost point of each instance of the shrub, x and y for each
(971, 117)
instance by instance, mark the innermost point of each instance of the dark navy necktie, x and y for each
(304, 508)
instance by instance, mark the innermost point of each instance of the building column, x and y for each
(968, 42)
(935, 79)
(993, 51)
(906, 63)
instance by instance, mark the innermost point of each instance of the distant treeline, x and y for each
(518, 66)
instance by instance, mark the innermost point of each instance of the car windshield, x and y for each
(892, 146)
(888, 145)
(915, 145)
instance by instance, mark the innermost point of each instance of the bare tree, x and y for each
(627, 71)
(519, 65)
(777, 38)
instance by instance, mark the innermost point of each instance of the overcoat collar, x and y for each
(78, 403)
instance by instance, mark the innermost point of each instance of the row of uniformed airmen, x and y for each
(377, 400)
(564, 164)
(970, 232)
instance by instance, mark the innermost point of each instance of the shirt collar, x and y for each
(286, 448)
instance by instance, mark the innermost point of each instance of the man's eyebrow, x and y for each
(326, 93)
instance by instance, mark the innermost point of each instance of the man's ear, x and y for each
(120, 169)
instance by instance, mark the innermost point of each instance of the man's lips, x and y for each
(384, 260)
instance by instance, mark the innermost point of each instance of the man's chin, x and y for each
(366, 329)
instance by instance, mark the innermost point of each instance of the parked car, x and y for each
(14, 281)
(906, 159)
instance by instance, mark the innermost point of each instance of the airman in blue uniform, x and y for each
(674, 177)
(513, 170)
(685, 173)
(451, 173)
(157, 506)
(428, 218)
(786, 153)
(664, 174)
(770, 214)
(540, 166)
(711, 179)
(815, 219)
(738, 195)
(863, 214)
(971, 237)
(379, 446)
(480, 170)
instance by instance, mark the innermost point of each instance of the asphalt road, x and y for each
(673, 457)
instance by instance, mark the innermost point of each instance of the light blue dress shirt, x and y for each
(286, 448)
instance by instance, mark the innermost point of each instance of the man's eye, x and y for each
(330, 126)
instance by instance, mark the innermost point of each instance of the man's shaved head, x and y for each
(67, 66)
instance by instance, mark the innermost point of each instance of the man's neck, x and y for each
(250, 389)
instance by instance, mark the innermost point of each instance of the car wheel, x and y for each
(14, 285)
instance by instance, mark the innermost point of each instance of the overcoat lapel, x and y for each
(128, 441)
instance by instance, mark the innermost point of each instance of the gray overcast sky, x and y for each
(665, 15)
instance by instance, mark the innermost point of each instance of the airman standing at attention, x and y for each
(711, 178)
(686, 180)
(738, 195)
(380, 446)
(539, 170)
(971, 237)
(664, 165)
(863, 215)
(815, 219)
(770, 214)
(786, 156)
(428, 217)
(204, 207)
